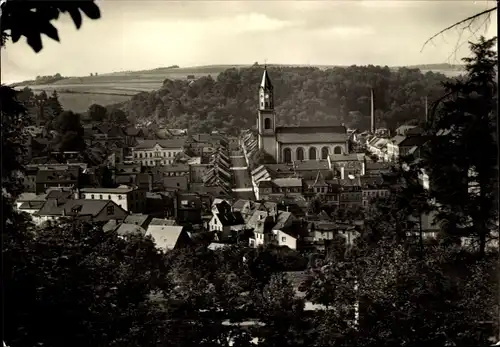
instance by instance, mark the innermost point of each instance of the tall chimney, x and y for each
(426, 110)
(372, 112)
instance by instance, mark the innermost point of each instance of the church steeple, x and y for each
(266, 97)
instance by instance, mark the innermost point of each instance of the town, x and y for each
(170, 184)
(242, 205)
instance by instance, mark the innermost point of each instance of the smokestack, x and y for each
(426, 110)
(372, 112)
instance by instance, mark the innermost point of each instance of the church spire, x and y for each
(266, 81)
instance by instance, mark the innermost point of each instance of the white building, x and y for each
(130, 199)
(158, 152)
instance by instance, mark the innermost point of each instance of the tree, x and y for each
(403, 299)
(70, 129)
(31, 19)
(118, 116)
(54, 104)
(461, 156)
(97, 113)
(282, 314)
(95, 284)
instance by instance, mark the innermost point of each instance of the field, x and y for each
(78, 93)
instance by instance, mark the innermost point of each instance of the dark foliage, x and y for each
(16, 15)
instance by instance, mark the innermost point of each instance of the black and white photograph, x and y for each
(250, 173)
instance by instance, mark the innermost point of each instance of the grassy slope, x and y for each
(78, 93)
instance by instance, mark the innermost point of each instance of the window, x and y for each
(283, 239)
(100, 196)
(135, 155)
(109, 197)
(92, 196)
(312, 153)
(287, 155)
(324, 153)
(337, 150)
(119, 197)
(83, 196)
(140, 155)
(164, 154)
(110, 210)
(300, 153)
(267, 123)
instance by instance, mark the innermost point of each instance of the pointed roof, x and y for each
(266, 81)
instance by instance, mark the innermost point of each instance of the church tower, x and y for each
(266, 119)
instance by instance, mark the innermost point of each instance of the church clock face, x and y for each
(266, 96)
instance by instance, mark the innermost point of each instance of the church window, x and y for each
(300, 153)
(337, 150)
(312, 153)
(324, 153)
(287, 155)
(267, 123)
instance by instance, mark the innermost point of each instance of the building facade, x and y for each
(293, 143)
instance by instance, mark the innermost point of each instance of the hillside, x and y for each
(303, 95)
(78, 93)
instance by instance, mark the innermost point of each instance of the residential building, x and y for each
(88, 210)
(226, 220)
(350, 193)
(169, 237)
(345, 165)
(372, 188)
(158, 152)
(67, 177)
(129, 198)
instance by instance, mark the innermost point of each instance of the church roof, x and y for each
(266, 81)
(311, 134)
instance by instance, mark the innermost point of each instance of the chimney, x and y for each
(426, 110)
(287, 208)
(372, 112)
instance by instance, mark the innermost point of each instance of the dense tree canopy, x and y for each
(303, 96)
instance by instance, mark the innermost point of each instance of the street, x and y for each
(242, 181)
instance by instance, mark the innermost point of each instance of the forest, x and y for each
(303, 95)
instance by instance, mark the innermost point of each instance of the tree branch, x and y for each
(466, 20)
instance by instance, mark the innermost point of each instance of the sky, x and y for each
(139, 35)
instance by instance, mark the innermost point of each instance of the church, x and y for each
(295, 143)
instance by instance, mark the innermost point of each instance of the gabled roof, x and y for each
(127, 229)
(80, 207)
(228, 218)
(165, 237)
(414, 141)
(137, 219)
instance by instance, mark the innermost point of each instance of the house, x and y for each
(29, 178)
(29, 197)
(187, 208)
(343, 165)
(158, 152)
(226, 220)
(377, 146)
(169, 237)
(393, 147)
(372, 188)
(272, 229)
(350, 193)
(377, 168)
(411, 145)
(67, 177)
(89, 210)
(128, 198)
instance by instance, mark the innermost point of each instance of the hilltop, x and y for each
(78, 93)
